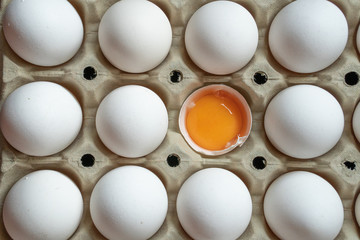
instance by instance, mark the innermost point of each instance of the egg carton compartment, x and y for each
(90, 77)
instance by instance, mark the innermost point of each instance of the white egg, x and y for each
(40, 118)
(357, 209)
(44, 204)
(214, 204)
(358, 39)
(129, 202)
(356, 122)
(135, 36)
(304, 121)
(302, 205)
(43, 32)
(221, 37)
(307, 36)
(132, 121)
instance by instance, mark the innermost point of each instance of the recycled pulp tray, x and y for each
(340, 166)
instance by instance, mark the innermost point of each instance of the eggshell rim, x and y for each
(202, 92)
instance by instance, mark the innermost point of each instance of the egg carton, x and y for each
(257, 162)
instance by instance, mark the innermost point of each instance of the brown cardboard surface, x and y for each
(16, 72)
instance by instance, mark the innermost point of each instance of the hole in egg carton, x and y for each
(89, 73)
(259, 163)
(173, 160)
(176, 76)
(87, 160)
(351, 78)
(350, 165)
(260, 77)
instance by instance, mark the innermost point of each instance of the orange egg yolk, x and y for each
(214, 121)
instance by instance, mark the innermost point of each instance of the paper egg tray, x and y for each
(340, 166)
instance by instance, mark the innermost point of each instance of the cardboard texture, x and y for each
(331, 166)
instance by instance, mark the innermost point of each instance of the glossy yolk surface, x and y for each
(214, 121)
